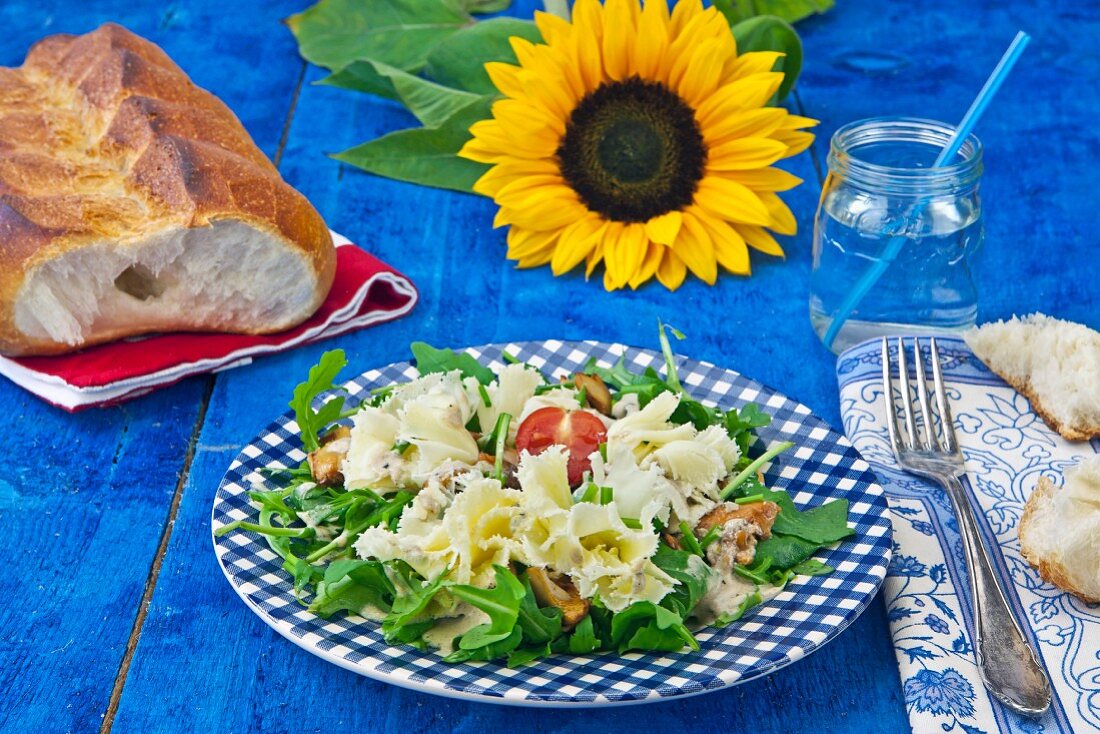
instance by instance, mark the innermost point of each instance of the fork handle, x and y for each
(1006, 661)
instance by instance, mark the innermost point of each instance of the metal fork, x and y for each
(1006, 661)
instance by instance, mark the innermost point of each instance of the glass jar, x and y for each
(885, 207)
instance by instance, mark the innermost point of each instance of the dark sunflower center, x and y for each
(632, 150)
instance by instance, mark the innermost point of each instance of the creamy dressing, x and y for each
(444, 632)
(725, 593)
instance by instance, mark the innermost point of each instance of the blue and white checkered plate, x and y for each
(807, 614)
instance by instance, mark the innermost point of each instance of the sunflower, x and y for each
(639, 139)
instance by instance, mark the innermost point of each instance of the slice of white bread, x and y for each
(1054, 363)
(1060, 530)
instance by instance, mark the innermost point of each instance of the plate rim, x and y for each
(510, 697)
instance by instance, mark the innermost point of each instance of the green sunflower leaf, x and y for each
(769, 33)
(485, 6)
(425, 155)
(459, 59)
(791, 11)
(433, 104)
(401, 33)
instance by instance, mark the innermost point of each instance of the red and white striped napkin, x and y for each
(365, 291)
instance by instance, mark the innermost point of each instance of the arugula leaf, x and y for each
(822, 525)
(646, 626)
(692, 575)
(740, 425)
(538, 624)
(784, 551)
(412, 597)
(320, 379)
(501, 603)
(746, 604)
(813, 567)
(583, 640)
(351, 585)
(491, 651)
(430, 360)
(526, 655)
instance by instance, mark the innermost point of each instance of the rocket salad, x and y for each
(505, 515)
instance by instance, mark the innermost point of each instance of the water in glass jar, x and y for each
(928, 287)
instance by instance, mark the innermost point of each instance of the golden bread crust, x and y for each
(103, 138)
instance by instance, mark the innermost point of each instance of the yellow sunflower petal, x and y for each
(617, 35)
(729, 246)
(764, 179)
(672, 270)
(653, 256)
(545, 213)
(794, 122)
(745, 153)
(502, 174)
(663, 229)
(576, 243)
(595, 257)
(695, 247)
(624, 253)
(554, 29)
(494, 136)
(683, 14)
(505, 77)
(748, 124)
(524, 243)
(477, 150)
(754, 62)
(651, 43)
(795, 141)
(783, 221)
(700, 79)
(759, 239)
(748, 93)
(731, 201)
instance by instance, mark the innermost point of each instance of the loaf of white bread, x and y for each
(132, 201)
(1054, 363)
(1060, 530)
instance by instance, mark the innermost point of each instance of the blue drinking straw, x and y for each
(970, 119)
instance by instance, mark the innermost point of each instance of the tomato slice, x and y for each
(580, 432)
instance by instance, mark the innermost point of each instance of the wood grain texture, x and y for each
(84, 497)
(204, 663)
(229, 672)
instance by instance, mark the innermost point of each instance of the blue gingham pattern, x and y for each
(806, 615)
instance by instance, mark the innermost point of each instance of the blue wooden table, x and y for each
(116, 615)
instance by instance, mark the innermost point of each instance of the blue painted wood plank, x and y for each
(84, 498)
(230, 672)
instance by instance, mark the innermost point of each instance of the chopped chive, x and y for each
(484, 395)
(632, 523)
(384, 390)
(501, 433)
(749, 574)
(401, 446)
(582, 396)
(590, 493)
(507, 357)
(756, 464)
(607, 495)
(602, 448)
(750, 499)
(688, 539)
(711, 536)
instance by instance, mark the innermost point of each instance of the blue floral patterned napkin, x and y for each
(1007, 448)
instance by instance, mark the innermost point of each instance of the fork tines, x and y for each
(941, 441)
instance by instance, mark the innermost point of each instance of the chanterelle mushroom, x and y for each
(324, 463)
(741, 527)
(559, 593)
(596, 392)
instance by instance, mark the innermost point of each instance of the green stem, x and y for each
(559, 8)
(501, 430)
(264, 530)
(749, 470)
